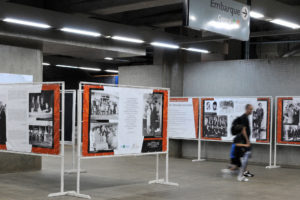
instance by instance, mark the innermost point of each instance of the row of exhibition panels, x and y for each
(128, 121)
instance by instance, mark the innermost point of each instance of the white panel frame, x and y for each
(276, 135)
(62, 128)
(157, 180)
(200, 139)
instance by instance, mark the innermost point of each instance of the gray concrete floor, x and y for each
(126, 179)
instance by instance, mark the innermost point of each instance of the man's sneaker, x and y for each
(248, 174)
(242, 179)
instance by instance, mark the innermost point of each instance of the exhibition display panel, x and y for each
(183, 118)
(218, 113)
(32, 120)
(287, 123)
(122, 121)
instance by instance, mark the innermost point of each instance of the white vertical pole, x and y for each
(79, 124)
(62, 138)
(157, 167)
(167, 167)
(271, 133)
(73, 130)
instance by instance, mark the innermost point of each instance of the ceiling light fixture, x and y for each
(256, 15)
(46, 64)
(197, 50)
(127, 39)
(112, 71)
(166, 45)
(81, 32)
(90, 69)
(67, 66)
(108, 58)
(26, 23)
(285, 23)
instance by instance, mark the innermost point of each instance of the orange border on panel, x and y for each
(86, 121)
(56, 121)
(202, 119)
(279, 120)
(269, 117)
(196, 115)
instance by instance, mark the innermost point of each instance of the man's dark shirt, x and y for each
(243, 120)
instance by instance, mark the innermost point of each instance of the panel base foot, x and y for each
(163, 182)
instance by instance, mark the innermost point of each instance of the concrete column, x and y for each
(16, 60)
(172, 62)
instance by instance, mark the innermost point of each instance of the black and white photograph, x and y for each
(210, 106)
(152, 120)
(41, 136)
(291, 133)
(103, 137)
(226, 106)
(104, 105)
(215, 126)
(291, 112)
(259, 125)
(41, 105)
(2, 123)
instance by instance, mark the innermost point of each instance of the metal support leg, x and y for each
(166, 180)
(199, 153)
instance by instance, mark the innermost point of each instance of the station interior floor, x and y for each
(127, 178)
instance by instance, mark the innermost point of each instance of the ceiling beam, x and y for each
(138, 5)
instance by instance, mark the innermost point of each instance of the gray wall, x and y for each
(243, 78)
(144, 75)
(16, 60)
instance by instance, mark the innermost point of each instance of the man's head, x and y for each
(215, 105)
(259, 105)
(249, 109)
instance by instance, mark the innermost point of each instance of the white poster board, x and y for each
(121, 121)
(183, 118)
(218, 113)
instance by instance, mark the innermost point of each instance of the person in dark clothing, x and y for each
(2, 124)
(238, 149)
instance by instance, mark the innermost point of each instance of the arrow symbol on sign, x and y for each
(245, 13)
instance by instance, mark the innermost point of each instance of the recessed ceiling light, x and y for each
(166, 45)
(197, 50)
(26, 23)
(46, 64)
(90, 69)
(127, 39)
(112, 71)
(81, 32)
(285, 23)
(256, 15)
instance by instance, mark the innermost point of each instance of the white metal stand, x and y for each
(199, 151)
(79, 152)
(166, 180)
(62, 147)
(73, 170)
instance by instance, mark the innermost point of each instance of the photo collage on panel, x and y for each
(41, 116)
(214, 124)
(260, 120)
(290, 121)
(153, 122)
(103, 127)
